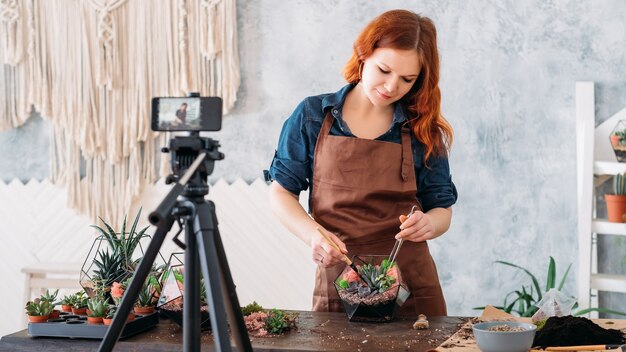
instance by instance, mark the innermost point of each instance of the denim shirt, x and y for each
(292, 166)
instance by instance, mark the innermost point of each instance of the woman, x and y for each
(181, 114)
(370, 152)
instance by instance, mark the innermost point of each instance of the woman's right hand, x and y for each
(322, 253)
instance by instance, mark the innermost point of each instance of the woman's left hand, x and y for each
(417, 228)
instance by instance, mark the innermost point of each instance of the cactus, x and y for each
(619, 184)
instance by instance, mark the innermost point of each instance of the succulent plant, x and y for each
(80, 300)
(251, 308)
(111, 311)
(38, 307)
(68, 300)
(376, 278)
(98, 307)
(51, 298)
(123, 243)
(109, 268)
(619, 184)
(146, 295)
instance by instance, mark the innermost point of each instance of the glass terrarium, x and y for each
(376, 294)
(113, 257)
(618, 141)
(171, 300)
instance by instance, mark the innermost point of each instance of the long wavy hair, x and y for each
(405, 30)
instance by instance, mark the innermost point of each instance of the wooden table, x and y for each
(316, 332)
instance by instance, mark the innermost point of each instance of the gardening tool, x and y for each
(588, 348)
(396, 247)
(345, 257)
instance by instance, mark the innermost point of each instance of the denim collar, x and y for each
(335, 101)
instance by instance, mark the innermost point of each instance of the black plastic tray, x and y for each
(77, 327)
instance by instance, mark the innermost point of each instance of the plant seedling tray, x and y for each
(74, 326)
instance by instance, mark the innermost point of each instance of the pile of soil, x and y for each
(571, 331)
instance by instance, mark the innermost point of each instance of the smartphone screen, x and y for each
(187, 114)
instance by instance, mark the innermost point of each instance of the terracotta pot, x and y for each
(94, 320)
(38, 318)
(79, 311)
(66, 308)
(131, 317)
(107, 321)
(614, 140)
(616, 207)
(88, 312)
(55, 314)
(144, 310)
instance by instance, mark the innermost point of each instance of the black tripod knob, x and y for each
(165, 150)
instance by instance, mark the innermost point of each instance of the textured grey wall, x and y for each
(508, 75)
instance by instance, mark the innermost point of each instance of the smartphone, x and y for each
(187, 114)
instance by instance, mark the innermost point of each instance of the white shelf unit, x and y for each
(595, 159)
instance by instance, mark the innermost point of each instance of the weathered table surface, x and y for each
(316, 332)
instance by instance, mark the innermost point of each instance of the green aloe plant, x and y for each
(147, 294)
(123, 243)
(522, 301)
(108, 268)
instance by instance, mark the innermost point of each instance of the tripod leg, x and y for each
(132, 292)
(191, 293)
(216, 271)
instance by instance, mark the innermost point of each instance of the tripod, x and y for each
(204, 250)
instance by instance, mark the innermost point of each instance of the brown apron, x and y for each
(360, 187)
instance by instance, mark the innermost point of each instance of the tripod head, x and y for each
(184, 151)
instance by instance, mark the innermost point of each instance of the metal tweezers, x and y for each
(396, 247)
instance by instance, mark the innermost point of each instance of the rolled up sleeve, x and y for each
(291, 166)
(435, 188)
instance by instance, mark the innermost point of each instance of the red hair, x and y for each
(405, 30)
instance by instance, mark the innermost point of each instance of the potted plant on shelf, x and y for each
(51, 298)
(79, 305)
(38, 311)
(98, 307)
(616, 202)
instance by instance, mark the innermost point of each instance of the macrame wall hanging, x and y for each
(91, 67)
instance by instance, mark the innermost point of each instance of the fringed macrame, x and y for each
(91, 67)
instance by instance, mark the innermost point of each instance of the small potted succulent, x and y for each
(111, 311)
(376, 297)
(67, 302)
(146, 300)
(79, 304)
(51, 298)
(98, 307)
(38, 311)
(616, 202)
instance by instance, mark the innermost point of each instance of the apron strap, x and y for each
(407, 152)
